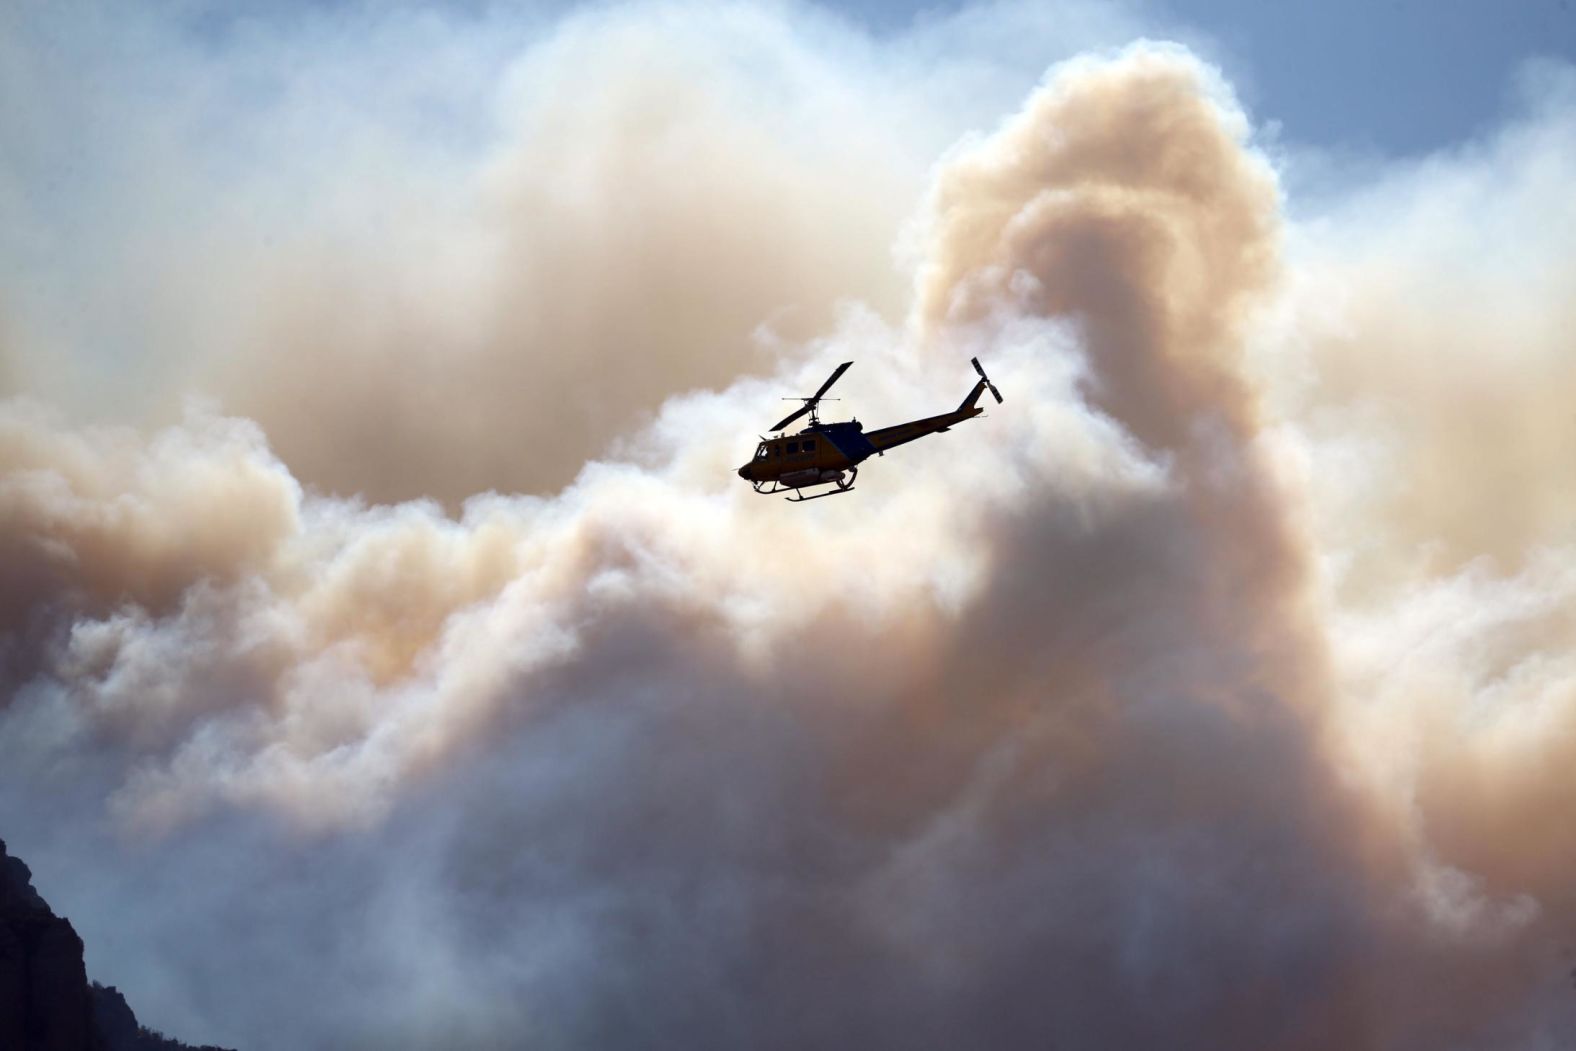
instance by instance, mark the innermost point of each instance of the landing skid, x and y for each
(800, 498)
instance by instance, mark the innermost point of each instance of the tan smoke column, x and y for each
(385, 582)
(1073, 727)
(1427, 356)
(635, 233)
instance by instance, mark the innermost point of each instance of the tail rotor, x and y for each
(994, 392)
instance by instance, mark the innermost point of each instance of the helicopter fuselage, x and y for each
(824, 453)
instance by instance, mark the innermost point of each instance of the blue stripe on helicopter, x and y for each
(850, 440)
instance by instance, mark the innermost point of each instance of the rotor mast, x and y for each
(813, 402)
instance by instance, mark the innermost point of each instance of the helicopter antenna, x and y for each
(814, 400)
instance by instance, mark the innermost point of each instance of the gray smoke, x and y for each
(1193, 698)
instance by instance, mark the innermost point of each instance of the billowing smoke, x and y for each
(1217, 690)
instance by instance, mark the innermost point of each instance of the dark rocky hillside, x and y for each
(46, 1000)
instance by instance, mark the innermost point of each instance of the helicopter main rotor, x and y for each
(813, 401)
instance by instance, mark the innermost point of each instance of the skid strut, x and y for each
(796, 496)
(843, 486)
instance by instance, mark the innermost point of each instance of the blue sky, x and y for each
(1393, 77)
(1398, 77)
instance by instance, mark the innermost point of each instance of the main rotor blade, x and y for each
(830, 380)
(786, 420)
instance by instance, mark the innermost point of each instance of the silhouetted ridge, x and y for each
(119, 1029)
(46, 1001)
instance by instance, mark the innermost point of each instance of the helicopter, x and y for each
(830, 453)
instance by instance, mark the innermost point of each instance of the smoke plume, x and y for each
(429, 678)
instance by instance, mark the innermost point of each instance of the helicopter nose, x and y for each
(744, 472)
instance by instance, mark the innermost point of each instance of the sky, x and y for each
(391, 657)
(1399, 77)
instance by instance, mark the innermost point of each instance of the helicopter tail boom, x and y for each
(888, 437)
(973, 398)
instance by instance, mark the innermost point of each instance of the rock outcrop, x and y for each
(46, 1001)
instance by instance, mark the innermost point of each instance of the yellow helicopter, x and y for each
(830, 453)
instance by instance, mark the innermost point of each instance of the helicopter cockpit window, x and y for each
(760, 454)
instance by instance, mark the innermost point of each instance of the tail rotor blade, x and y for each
(993, 391)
